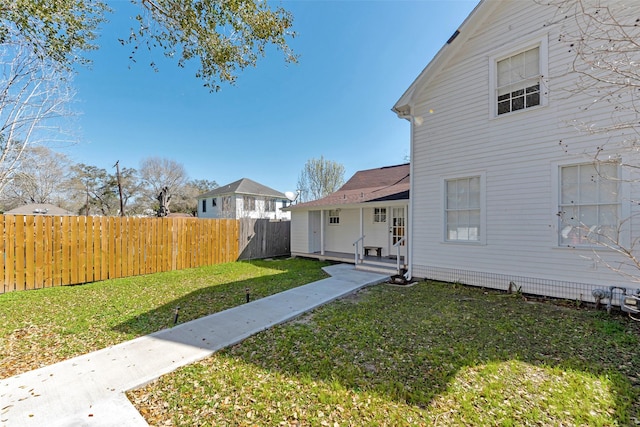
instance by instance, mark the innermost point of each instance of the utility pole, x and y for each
(117, 166)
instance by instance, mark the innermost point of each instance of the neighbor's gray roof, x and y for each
(39, 209)
(244, 186)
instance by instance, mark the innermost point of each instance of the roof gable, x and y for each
(244, 186)
(476, 18)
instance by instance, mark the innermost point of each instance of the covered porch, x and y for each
(384, 265)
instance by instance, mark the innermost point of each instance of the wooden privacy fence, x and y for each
(45, 251)
(264, 238)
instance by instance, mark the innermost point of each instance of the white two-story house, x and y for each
(522, 170)
(243, 199)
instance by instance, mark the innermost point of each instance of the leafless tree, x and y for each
(158, 173)
(319, 178)
(34, 96)
(41, 177)
(604, 37)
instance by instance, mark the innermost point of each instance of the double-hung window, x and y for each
(334, 217)
(589, 209)
(463, 209)
(379, 215)
(517, 78)
(249, 203)
(270, 205)
(518, 85)
(204, 205)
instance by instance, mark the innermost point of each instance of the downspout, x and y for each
(408, 115)
(408, 274)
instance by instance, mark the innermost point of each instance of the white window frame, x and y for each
(227, 207)
(482, 238)
(379, 215)
(249, 203)
(510, 51)
(334, 217)
(269, 205)
(623, 210)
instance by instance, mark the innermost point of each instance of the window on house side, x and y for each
(249, 203)
(462, 209)
(226, 204)
(270, 205)
(518, 81)
(204, 205)
(379, 215)
(334, 217)
(589, 204)
(213, 202)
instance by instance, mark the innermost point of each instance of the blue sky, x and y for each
(356, 60)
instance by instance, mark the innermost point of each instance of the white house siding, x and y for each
(516, 153)
(377, 234)
(300, 232)
(237, 206)
(340, 237)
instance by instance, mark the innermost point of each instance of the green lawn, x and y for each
(431, 354)
(41, 327)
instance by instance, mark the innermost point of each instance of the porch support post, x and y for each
(322, 232)
(361, 247)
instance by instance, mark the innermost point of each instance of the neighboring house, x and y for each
(243, 199)
(503, 191)
(39, 209)
(370, 208)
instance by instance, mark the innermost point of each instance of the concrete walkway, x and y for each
(89, 390)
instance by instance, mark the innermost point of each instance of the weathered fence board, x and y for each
(45, 251)
(263, 238)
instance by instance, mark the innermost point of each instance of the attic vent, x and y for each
(453, 37)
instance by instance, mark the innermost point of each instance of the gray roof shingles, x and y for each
(244, 186)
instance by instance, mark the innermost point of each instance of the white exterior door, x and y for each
(314, 232)
(397, 231)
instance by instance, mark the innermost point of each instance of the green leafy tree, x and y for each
(319, 178)
(95, 190)
(225, 36)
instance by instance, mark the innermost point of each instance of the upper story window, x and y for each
(590, 203)
(226, 204)
(270, 205)
(249, 203)
(462, 209)
(519, 81)
(517, 78)
(334, 217)
(204, 205)
(379, 215)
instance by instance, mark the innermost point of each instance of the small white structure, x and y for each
(243, 199)
(39, 209)
(505, 189)
(367, 214)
